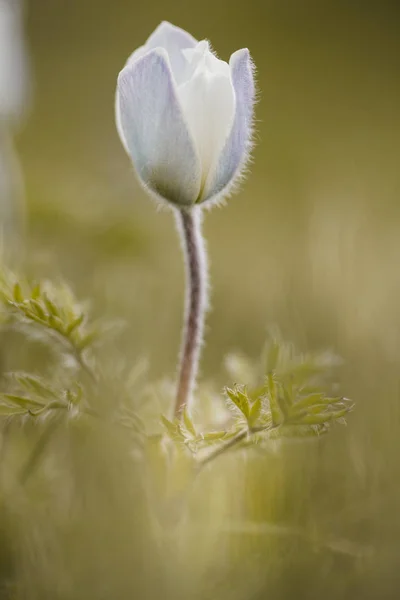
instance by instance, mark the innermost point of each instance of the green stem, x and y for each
(242, 435)
(232, 443)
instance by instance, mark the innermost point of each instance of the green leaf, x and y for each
(173, 429)
(315, 398)
(38, 308)
(17, 293)
(272, 355)
(297, 431)
(274, 405)
(325, 417)
(74, 324)
(265, 420)
(188, 423)
(51, 306)
(34, 384)
(289, 394)
(240, 400)
(87, 340)
(22, 401)
(36, 290)
(284, 405)
(255, 412)
(56, 323)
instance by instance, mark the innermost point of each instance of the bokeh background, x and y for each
(311, 244)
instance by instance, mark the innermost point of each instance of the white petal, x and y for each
(208, 102)
(155, 132)
(236, 149)
(201, 54)
(173, 39)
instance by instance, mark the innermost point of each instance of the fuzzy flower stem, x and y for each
(189, 227)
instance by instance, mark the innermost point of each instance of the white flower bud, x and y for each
(185, 117)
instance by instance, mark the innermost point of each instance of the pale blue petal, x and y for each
(236, 149)
(174, 40)
(155, 132)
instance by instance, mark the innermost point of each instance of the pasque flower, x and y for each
(185, 117)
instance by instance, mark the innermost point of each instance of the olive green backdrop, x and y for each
(311, 240)
(310, 244)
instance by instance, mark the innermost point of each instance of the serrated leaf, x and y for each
(33, 383)
(22, 401)
(272, 355)
(289, 393)
(297, 431)
(319, 419)
(315, 398)
(188, 423)
(51, 306)
(173, 429)
(38, 309)
(283, 403)
(17, 293)
(36, 290)
(56, 323)
(86, 340)
(256, 392)
(255, 412)
(240, 400)
(74, 324)
(274, 406)
(265, 420)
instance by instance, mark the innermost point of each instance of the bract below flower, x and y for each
(185, 117)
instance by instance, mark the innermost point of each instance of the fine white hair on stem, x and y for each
(189, 222)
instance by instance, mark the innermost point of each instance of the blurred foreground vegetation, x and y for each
(311, 245)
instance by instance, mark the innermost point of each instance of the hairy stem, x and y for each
(242, 435)
(189, 227)
(232, 443)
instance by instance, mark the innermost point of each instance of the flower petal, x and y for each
(173, 39)
(236, 149)
(155, 132)
(208, 102)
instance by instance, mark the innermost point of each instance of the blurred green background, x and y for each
(310, 244)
